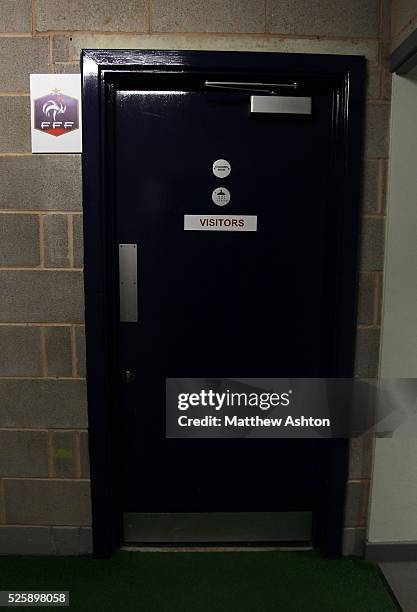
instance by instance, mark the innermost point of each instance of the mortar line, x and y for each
(41, 269)
(364, 326)
(47, 479)
(33, 18)
(381, 18)
(45, 213)
(16, 154)
(16, 35)
(211, 34)
(36, 429)
(374, 216)
(266, 17)
(42, 348)
(50, 52)
(14, 94)
(77, 527)
(42, 377)
(38, 324)
(150, 16)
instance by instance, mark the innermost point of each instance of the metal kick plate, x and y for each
(284, 105)
(128, 282)
(190, 527)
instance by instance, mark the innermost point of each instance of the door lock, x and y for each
(129, 376)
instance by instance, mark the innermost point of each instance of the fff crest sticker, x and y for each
(56, 113)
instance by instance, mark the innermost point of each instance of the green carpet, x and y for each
(200, 582)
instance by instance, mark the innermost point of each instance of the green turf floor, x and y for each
(201, 581)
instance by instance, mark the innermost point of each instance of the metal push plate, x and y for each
(284, 105)
(128, 282)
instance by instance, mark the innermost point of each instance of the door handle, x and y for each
(128, 282)
(129, 376)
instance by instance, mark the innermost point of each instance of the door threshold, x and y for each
(224, 548)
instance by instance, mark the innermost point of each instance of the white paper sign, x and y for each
(55, 101)
(221, 223)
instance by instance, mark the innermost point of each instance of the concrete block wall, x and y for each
(44, 486)
(404, 20)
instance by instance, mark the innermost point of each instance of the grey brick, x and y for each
(26, 540)
(22, 540)
(55, 229)
(370, 187)
(67, 68)
(386, 20)
(23, 453)
(110, 16)
(367, 353)
(373, 84)
(52, 182)
(41, 296)
(47, 502)
(356, 508)
(216, 16)
(58, 351)
(387, 85)
(60, 404)
(80, 350)
(19, 240)
(86, 540)
(355, 18)
(64, 454)
(20, 351)
(372, 245)
(14, 125)
(15, 16)
(77, 229)
(60, 48)
(85, 459)
(383, 185)
(71, 540)
(377, 129)
(360, 457)
(19, 57)
(354, 541)
(404, 13)
(366, 292)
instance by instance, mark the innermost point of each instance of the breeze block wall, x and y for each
(44, 474)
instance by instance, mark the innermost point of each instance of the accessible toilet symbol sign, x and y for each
(55, 101)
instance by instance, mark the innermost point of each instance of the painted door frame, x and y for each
(99, 68)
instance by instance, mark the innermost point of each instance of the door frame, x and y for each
(100, 272)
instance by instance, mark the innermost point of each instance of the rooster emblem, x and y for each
(52, 107)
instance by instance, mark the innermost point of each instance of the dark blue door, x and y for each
(222, 303)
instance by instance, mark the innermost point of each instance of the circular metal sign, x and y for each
(221, 168)
(221, 196)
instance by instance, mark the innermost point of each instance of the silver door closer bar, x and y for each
(245, 86)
